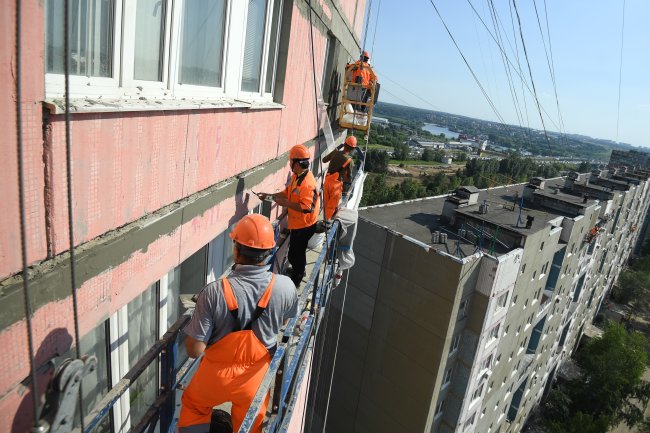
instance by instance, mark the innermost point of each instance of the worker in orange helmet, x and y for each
(339, 175)
(302, 200)
(360, 72)
(235, 325)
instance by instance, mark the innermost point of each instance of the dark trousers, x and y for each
(298, 251)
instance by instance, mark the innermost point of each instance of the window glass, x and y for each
(254, 45)
(202, 42)
(173, 301)
(94, 385)
(149, 40)
(274, 40)
(142, 313)
(91, 37)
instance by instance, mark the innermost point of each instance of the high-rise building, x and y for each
(177, 111)
(630, 158)
(461, 308)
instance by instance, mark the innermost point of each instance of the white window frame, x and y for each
(123, 84)
(93, 86)
(129, 83)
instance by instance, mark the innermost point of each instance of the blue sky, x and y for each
(413, 53)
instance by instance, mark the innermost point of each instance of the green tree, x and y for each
(613, 366)
(427, 155)
(580, 423)
(584, 167)
(462, 156)
(377, 161)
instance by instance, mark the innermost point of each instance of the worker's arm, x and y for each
(201, 325)
(282, 200)
(327, 157)
(194, 347)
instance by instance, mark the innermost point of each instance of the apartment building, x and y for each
(461, 308)
(177, 111)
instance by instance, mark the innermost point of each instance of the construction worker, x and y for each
(301, 198)
(362, 73)
(235, 325)
(339, 176)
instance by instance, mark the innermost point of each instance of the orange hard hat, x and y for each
(351, 141)
(366, 55)
(299, 151)
(254, 231)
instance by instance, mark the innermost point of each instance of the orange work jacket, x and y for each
(304, 191)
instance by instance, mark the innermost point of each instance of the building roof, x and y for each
(419, 219)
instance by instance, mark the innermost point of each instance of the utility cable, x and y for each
(23, 223)
(506, 66)
(374, 34)
(548, 62)
(410, 92)
(550, 49)
(365, 33)
(519, 73)
(530, 72)
(478, 82)
(68, 163)
(620, 74)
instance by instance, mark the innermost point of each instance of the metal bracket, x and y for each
(62, 396)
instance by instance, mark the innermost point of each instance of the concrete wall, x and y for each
(397, 325)
(149, 188)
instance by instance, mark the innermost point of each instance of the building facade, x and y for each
(177, 111)
(461, 308)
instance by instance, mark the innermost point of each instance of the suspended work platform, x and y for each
(288, 376)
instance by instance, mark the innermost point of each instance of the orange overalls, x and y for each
(332, 191)
(231, 370)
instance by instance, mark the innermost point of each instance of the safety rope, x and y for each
(68, 164)
(23, 224)
(336, 349)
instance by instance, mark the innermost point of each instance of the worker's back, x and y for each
(248, 283)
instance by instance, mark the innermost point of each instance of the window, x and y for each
(469, 421)
(502, 300)
(541, 247)
(164, 49)
(478, 392)
(494, 333)
(91, 37)
(523, 268)
(448, 375)
(440, 406)
(454, 343)
(462, 309)
(487, 363)
(534, 274)
(514, 300)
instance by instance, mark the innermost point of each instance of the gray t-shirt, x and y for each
(211, 320)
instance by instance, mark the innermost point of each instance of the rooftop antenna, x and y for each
(458, 251)
(521, 205)
(493, 241)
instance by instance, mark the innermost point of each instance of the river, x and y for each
(437, 130)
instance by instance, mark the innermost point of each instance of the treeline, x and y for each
(510, 136)
(480, 173)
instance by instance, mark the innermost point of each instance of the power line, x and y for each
(410, 92)
(365, 33)
(519, 73)
(478, 82)
(506, 66)
(530, 72)
(620, 74)
(548, 61)
(374, 34)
